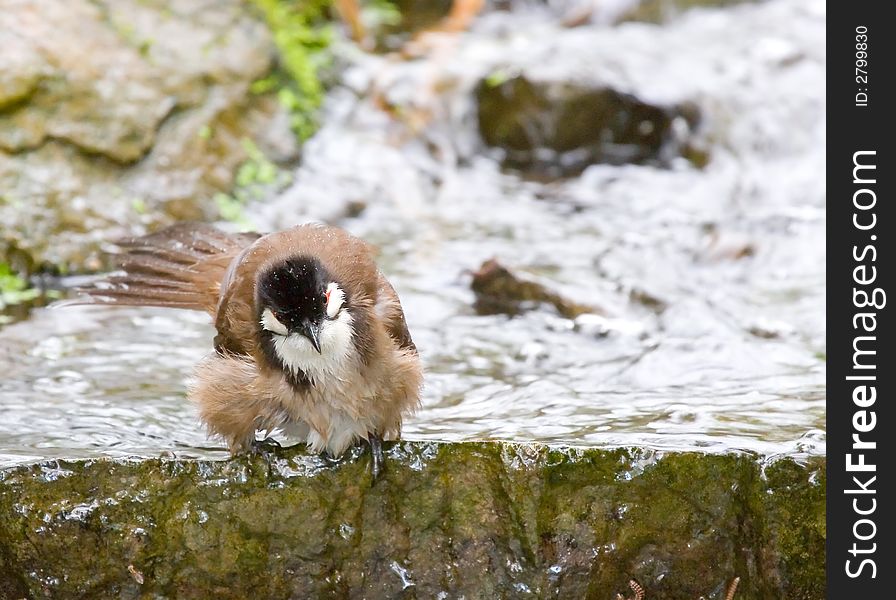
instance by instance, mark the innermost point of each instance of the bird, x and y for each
(311, 336)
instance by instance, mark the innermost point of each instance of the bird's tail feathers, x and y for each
(178, 267)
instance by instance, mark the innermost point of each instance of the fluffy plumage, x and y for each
(274, 298)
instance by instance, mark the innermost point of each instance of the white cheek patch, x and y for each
(335, 297)
(336, 335)
(271, 323)
(336, 350)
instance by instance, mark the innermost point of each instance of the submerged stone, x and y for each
(661, 11)
(498, 290)
(479, 520)
(562, 127)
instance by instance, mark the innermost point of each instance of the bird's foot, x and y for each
(266, 447)
(377, 462)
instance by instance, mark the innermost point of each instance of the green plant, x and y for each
(381, 13)
(256, 178)
(302, 35)
(13, 288)
(497, 77)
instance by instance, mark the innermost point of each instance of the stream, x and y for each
(710, 280)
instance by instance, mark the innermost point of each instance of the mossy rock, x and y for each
(478, 520)
(661, 11)
(118, 117)
(560, 127)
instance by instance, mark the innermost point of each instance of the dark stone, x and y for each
(560, 128)
(499, 291)
(662, 11)
(417, 15)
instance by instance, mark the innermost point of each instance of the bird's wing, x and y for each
(388, 307)
(235, 316)
(180, 267)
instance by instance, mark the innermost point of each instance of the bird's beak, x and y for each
(311, 330)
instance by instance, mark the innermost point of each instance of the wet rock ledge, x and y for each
(473, 520)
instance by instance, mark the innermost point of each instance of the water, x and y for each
(735, 361)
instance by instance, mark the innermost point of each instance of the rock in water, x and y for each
(498, 290)
(560, 128)
(479, 520)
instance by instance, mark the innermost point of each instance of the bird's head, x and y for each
(303, 314)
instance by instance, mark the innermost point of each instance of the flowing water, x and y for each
(712, 280)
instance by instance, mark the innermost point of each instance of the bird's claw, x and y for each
(377, 462)
(264, 447)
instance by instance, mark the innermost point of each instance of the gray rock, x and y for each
(120, 116)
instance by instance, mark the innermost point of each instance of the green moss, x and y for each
(256, 179)
(258, 170)
(231, 209)
(302, 35)
(13, 288)
(381, 13)
(662, 11)
(795, 505)
(570, 523)
(497, 77)
(139, 206)
(560, 129)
